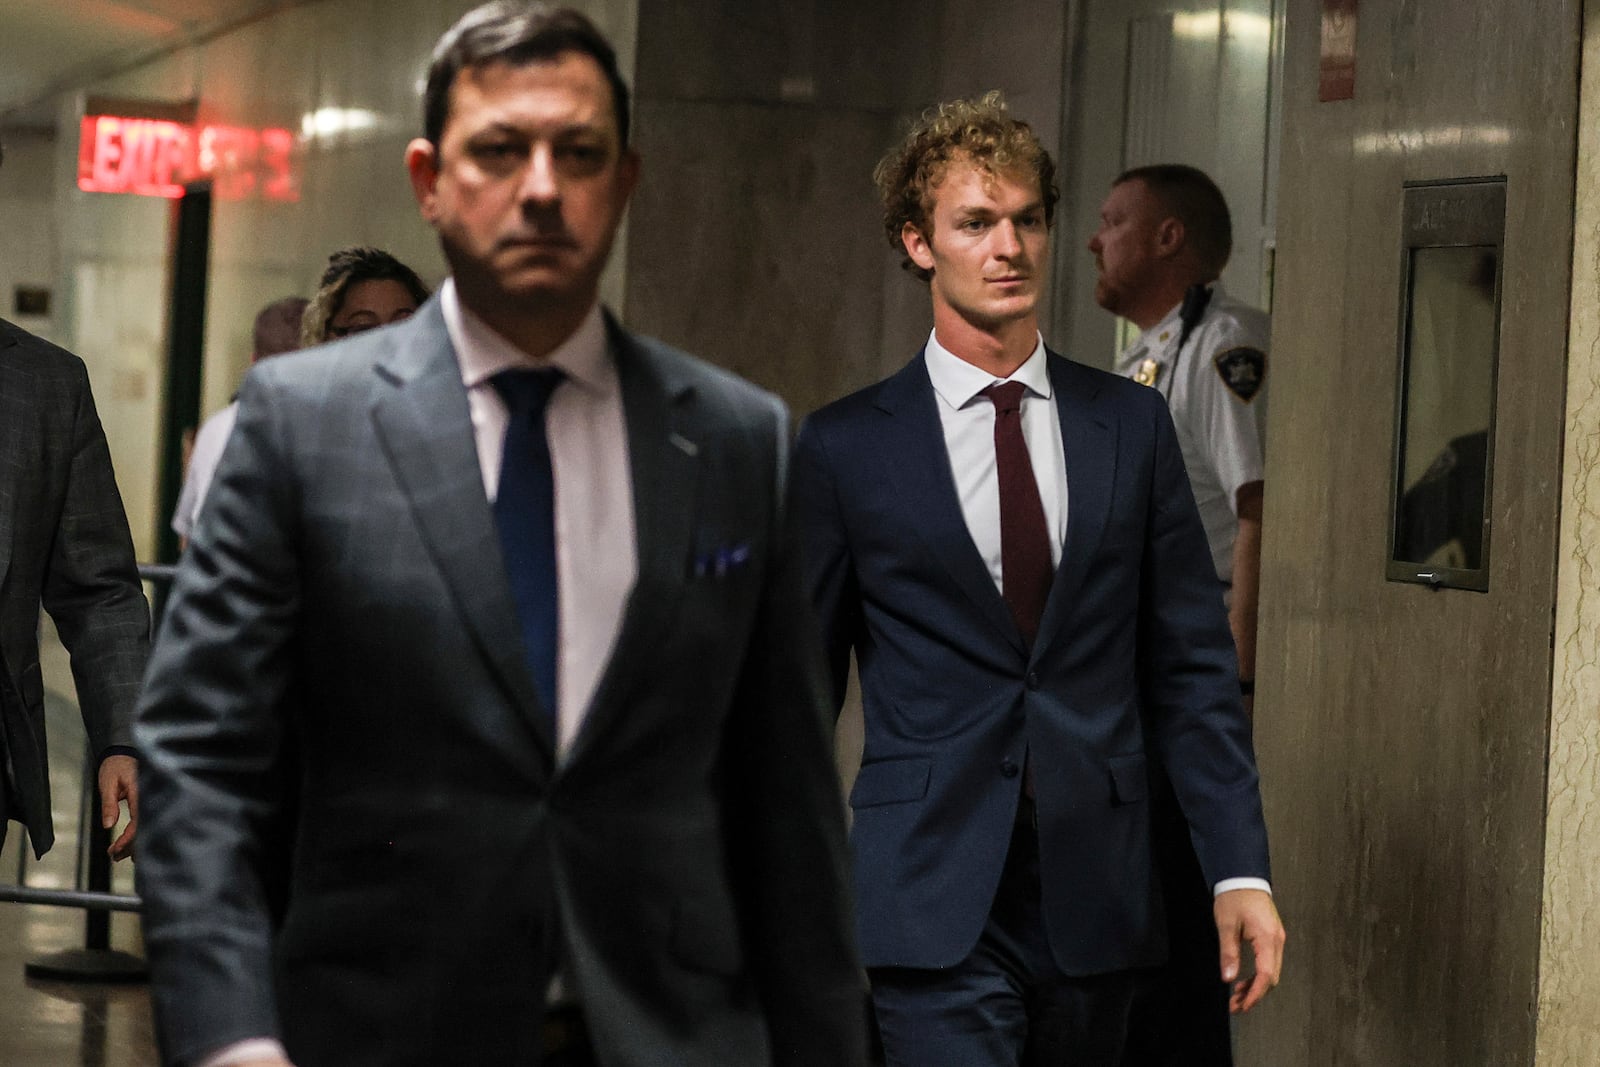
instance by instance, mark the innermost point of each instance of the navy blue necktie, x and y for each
(525, 514)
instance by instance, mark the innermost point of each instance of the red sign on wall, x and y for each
(158, 157)
(1338, 60)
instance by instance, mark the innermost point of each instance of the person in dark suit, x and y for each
(1007, 542)
(487, 724)
(64, 543)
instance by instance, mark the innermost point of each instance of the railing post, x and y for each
(96, 961)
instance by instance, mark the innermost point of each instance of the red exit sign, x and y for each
(158, 157)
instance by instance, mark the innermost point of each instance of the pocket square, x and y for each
(720, 562)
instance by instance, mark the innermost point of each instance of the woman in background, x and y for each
(361, 289)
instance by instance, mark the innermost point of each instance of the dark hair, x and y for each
(518, 32)
(277, 327)
(347, 267)
(978, 131)
(1192, 198)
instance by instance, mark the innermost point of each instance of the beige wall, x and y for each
(1569, 964)
(28, 223)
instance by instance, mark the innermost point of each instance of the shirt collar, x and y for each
(1158, 338)
(958, 382)
(1172, 324)
(483, 353)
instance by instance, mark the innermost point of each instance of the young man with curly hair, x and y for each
(1008, 544)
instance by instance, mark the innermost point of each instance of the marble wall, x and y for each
(1569, 980)
(28, 223)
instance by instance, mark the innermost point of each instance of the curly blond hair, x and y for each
(978, 131)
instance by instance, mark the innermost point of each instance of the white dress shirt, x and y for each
(597, 558)
(968, 422)
(208, 444)
(1222, 434)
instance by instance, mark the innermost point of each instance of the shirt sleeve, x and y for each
(1229, 397)
(208, 446)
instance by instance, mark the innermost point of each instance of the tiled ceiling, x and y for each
(51, 46)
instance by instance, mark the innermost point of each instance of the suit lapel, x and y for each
(1089, 440)
(425, 428)
(920, 470)
(663, 461)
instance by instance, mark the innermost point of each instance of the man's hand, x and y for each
(1249, 915)
(119, 781)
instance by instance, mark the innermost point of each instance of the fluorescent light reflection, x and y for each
(1398, 142)
(1243, 26)
(329, 122)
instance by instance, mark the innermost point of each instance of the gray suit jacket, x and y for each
(64, 542)
(354, 825)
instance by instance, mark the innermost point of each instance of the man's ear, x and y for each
(422, 165)
(1170, 236)
(917, 246)
(628, 173)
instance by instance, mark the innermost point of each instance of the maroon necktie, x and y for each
(1025, 570)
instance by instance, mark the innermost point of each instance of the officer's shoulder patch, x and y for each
(1243, 371)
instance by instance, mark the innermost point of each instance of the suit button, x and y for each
(1008, 769)
(1033, 679)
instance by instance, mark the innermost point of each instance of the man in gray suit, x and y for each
(64, 543)
(488, 729)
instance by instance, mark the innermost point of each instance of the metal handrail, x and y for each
(70, 898)
(157, 572)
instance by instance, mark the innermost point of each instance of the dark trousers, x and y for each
(1180, 1018)
(1006, 1004)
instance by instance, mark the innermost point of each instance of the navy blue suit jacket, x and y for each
(1133, 663)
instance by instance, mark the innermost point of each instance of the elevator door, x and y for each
(1401, 729)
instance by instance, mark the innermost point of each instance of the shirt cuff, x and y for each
(254, 1048)
(118, 750)
(1227, 885)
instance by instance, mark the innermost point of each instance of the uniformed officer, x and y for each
(1165, 234)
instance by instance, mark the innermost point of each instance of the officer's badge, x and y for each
(1243, 371)
(1146, 374)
